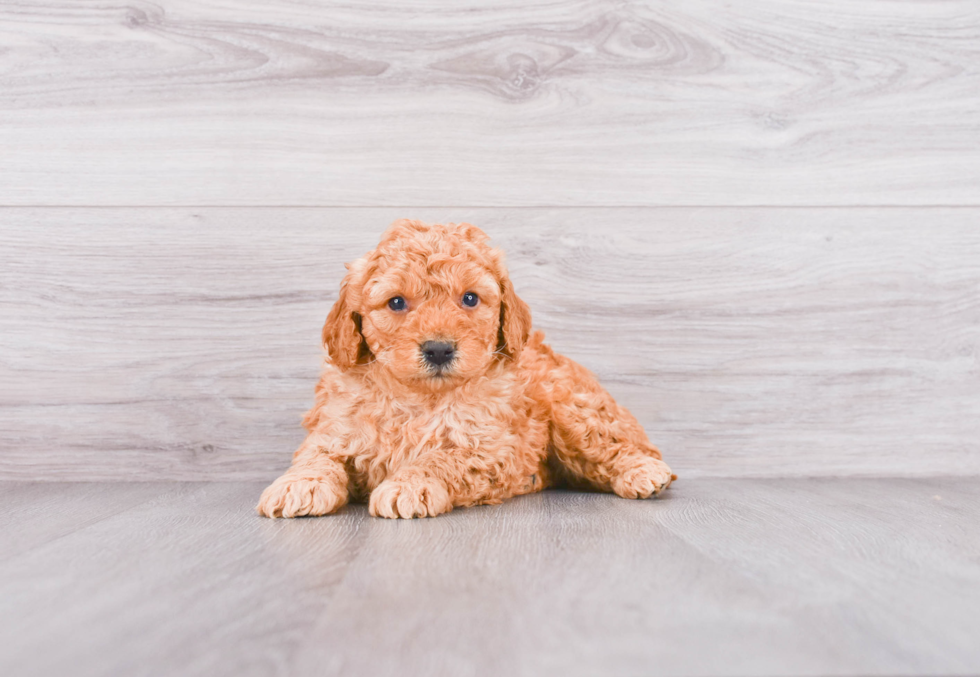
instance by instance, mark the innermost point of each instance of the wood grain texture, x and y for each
(291, 102)
(718, 577)
(184, 344)
(37, 516)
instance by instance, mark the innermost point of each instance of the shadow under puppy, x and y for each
(436, 395)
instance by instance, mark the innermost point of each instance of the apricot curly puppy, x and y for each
(435, 395)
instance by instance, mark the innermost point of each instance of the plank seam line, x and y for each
(593, 206)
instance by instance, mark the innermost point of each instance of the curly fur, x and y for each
(509, 416)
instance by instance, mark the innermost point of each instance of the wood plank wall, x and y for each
(756, 222)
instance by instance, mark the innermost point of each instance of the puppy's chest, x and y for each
(402, 430)
(391, 431)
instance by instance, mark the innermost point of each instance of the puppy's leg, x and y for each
(596, 440)
(315, 484)
(413, 491)
(439, 478)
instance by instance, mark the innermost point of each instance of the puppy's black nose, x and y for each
(438, 353)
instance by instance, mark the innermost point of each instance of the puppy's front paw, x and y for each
(418, 497)
(291, 496)
(648, 477)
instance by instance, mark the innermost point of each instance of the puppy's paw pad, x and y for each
(409, 498)
(299, 496)
(649, 477)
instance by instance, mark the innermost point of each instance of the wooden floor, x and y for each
(718, 577)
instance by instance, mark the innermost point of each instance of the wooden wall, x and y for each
(758, 223)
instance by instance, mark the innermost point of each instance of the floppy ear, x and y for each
(515, 320)
(342, 332)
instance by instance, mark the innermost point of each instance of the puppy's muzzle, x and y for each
(438, 353)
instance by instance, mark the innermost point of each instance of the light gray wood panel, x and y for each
(187, 556)
(478, 103)
(36, 517)
(717, 577)
(184, 344)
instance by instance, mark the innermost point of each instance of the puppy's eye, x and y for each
(470, 299)
(397, 303)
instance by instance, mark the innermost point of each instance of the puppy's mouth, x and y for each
(439, 372)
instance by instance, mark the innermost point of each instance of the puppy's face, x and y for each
(432, 305)
(434, 319)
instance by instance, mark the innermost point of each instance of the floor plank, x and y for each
(719, 577)
(34, 516)
(540, 102)
(184, 344)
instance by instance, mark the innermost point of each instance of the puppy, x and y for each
(436, 394)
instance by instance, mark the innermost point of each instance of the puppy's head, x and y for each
(432, 305)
